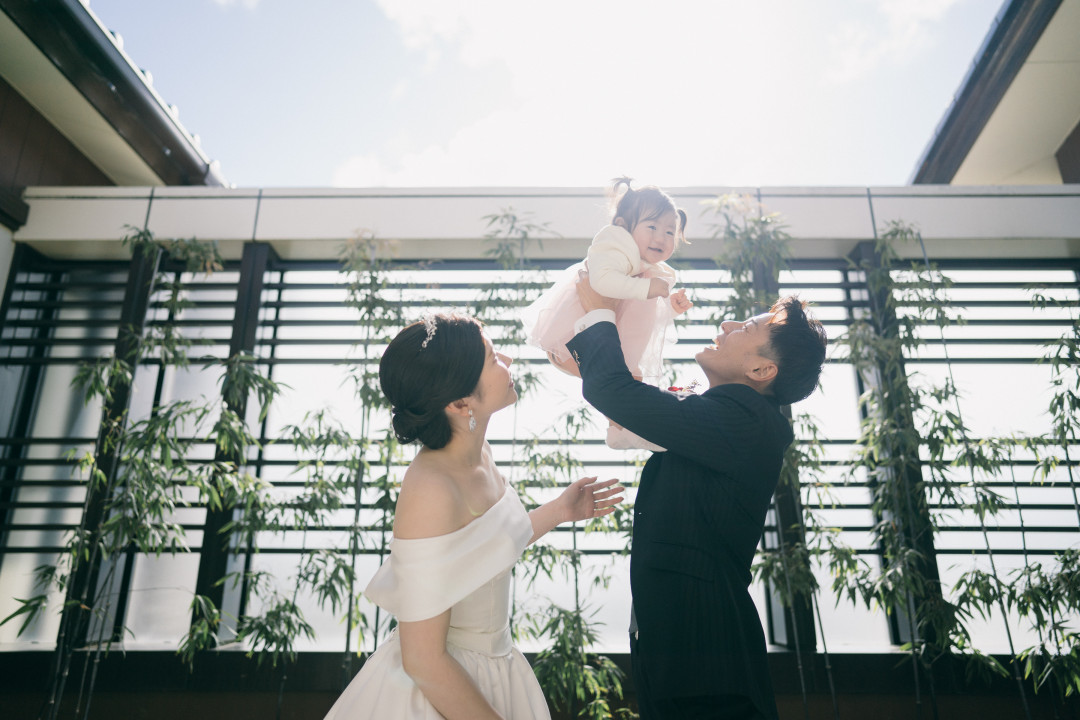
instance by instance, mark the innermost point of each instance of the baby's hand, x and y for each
(658, 287)
(679, 302)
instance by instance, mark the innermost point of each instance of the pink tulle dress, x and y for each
(615, 270)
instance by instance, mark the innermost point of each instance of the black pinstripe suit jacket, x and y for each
(698, 517)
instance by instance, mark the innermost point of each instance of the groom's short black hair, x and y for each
(797, 345)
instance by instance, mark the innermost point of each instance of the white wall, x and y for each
(312, 223)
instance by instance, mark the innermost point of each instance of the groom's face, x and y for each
(742, 347)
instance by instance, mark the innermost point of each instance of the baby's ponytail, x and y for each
(620, 196)
(681, 234)
(617, 183)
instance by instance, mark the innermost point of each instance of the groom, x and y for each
(699, 650)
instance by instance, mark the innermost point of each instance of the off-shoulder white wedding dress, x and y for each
(468, 571)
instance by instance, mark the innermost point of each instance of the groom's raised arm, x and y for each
(708, 430)
(606, 383)
(597, 351)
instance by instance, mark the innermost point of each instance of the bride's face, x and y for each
(495, 390)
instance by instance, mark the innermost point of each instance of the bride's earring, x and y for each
(472, 421)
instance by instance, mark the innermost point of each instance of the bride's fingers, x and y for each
(610, 490)
(607, 493)
(583, 484)
(609, 502)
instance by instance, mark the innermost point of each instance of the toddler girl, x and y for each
(626, 260)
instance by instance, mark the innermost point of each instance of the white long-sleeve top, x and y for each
(614, 259)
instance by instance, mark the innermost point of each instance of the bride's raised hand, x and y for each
(590, 498)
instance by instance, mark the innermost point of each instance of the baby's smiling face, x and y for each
(655, 237)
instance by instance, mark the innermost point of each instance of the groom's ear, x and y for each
(764, 372)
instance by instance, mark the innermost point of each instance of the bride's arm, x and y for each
(583, 500)
(439, 676)
(429, 505)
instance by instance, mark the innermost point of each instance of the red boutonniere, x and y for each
(692, 387)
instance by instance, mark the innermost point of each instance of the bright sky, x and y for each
(486, 93)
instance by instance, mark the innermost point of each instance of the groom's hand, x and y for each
(590, 299)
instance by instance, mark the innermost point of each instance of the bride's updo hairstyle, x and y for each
(429, 365)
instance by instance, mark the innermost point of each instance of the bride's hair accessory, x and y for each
(430, 327)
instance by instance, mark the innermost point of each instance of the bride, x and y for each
(458, 530)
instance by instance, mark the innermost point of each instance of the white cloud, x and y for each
(361, 171)
(688, 92)
(899, 30)
(598, 88)
(526, 147)
(249, 4)
(400, 90)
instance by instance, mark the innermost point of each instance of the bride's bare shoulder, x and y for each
(429, 503)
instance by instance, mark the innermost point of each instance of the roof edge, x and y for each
(86, 54)
(1016, 30)
(13, 209)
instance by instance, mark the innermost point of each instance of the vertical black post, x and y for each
(24, 403)
(913, 514)
(791, 532)
(128, 558)
(249, 551)
(140, 285)
(793, 626)
(79, 600)
(215, 553)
